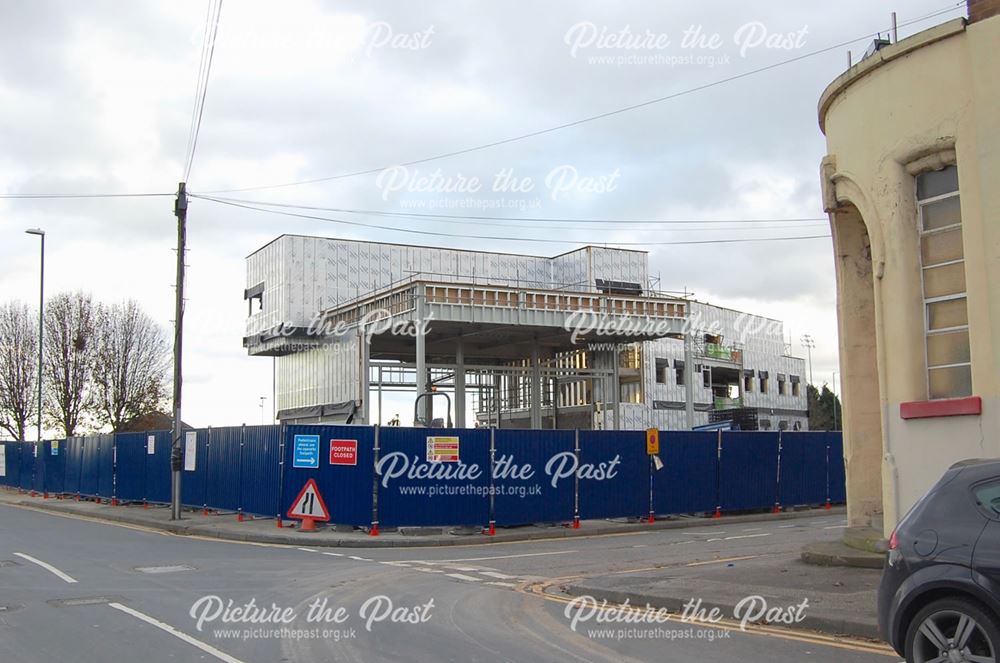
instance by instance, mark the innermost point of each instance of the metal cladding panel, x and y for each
(689, 479)
(106, 467)
(130, 467)
(223, 462)
(260, 470)
(523, 501)
(55, 467)
(158, 474)
(346, 490)
(74, 465)
(459, 497)
(748, 470)
(838, 472)
(12, 464)
(90, 465)
(614, 474)
(38, 478)
(802, 476)
(27, 466)
(194, 483)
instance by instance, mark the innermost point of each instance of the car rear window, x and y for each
(988, 496)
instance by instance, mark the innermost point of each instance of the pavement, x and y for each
(226, 526)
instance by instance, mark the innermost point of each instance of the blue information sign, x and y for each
(305, 451)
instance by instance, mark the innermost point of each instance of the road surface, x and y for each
(79, 590)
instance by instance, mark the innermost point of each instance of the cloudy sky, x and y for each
(97, 98)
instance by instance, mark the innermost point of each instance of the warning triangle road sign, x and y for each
(309, 504)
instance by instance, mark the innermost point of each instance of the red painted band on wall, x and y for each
(946, 407)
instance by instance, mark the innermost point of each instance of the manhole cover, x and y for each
(8, 562)
(164, 569)
(82, 600)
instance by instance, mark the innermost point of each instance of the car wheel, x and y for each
(952, 631)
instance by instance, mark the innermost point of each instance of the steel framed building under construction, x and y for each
(525, 341)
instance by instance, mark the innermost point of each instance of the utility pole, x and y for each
(41, 326)
(176, 451)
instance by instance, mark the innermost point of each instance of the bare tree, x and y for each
(18, 377)
(69, 357)
(130, 364)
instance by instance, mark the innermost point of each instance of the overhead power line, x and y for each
(37, 196)
(465, 217)
(432, 233)
(201, 90)
(591, 118)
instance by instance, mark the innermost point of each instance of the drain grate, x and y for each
(82, 600)
(175, 568)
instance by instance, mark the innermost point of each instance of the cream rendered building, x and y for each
(912, 186)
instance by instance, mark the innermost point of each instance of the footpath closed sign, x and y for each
(305, 451)
(442, 449)
(343, 452)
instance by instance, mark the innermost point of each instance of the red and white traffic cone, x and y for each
(576, 522)
(652, 518)
(493, 528)
(308, 525)
(374, 530)
(718, 513)
(777, 508)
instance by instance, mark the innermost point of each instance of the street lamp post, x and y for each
(809, 343)
(41, 321)
(262, 399)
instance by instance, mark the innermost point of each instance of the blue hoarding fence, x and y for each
(481, 478)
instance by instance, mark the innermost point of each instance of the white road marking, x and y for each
(418, 568)
(746, 536)
(48, 567)
(405, 565)
(207, 648)
(502, 584)
(539, 554)
(359, 559)
(753, 529)
(333, 554)
(462, 576)
(495, 574)
(785, 526)
(308, 550)
(466, 569)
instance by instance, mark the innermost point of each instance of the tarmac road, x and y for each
(78, 590)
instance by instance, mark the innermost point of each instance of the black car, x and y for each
(939, 600)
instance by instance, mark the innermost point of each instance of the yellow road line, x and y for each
(809, 637)
(727, 559)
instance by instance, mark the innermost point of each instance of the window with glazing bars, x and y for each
(942, 262)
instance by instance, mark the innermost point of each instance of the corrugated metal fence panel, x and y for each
(106, 471)
(130, 467)
(531, 500)
(689, 479)
(55, 466)
(225, 449)
(260, 492)
(802, 478)
(838, 473)
(12, 464)
(346, 489)
(193, 482)
(614, 474)
(158, 467)
(74, 465)
(27, 466)
(38, 480)
(90, 465)
(748, 470)
(456, 492)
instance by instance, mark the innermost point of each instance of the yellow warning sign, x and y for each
(442, 449)
(652, 441)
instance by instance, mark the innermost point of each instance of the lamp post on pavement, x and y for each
(41, 322)
(262, 399)
(809, 343)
